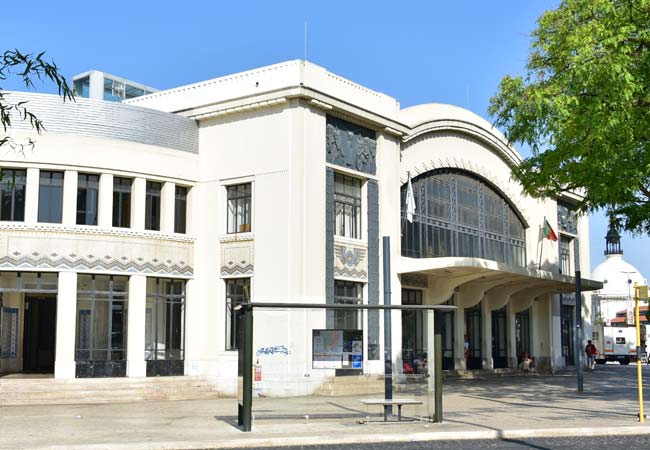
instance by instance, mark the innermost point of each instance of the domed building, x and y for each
(618, 277)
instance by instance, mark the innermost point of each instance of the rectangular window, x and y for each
(239, 208)
(13, 182)
(347, 206)
(50, 196)
(152, 206)
(237, 292)
(180, 210)
(122, 202)
(87, 195)
(347, 293)
(565, 254)
(101, 318)
(165, 319)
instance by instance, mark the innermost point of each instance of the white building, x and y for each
(132, 229)
(618, 278)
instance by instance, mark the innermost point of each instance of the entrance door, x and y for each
(568, 321)
(39, 334)
(473, 338)
(522, 334)
(499, 339)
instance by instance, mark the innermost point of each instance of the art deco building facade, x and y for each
(132, 230)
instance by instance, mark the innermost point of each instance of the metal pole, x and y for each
(438, 376)
(247, 367)
(388, 360)
(579, 337)
(638, 352)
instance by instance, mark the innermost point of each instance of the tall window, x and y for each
(347, 293)
(347, 206)
(180, 210)
(152, 206)
(237, 292)
(87, 195)
(565, 254)
(122, 202)
(50, 196)
(101, 318)
(458, 214)
(239, 208)
(165, 319)
(13, 182)
(412, 324)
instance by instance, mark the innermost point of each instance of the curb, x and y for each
(255, 442)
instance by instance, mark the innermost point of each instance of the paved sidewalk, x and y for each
(511, 407)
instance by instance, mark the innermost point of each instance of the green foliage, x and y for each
(28, 67)
(583, 107)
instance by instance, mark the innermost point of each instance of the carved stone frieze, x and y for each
(414, 280)
(350, 145)
(237, 258)
(350, 261)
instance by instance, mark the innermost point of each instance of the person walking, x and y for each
(591, 352)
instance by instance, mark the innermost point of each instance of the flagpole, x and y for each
(541, 250)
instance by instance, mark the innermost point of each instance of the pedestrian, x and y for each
(591, 352)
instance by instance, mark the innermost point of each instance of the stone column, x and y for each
(105, 201)
(191, 336)
(138, 197)
(167, 200)
(459, 339)
(70, 180)
(136, 365)
(486, 335)
(31, 196)
(66, 313)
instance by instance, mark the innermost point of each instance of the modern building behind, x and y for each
(132, 231)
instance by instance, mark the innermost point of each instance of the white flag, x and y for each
(410, 202)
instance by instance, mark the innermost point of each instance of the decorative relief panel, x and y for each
(567, 218)
(237, 258)
(59, 250)
(350, 261)
(414, 280)
(350, 145)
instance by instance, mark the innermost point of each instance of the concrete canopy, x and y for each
(475, 278)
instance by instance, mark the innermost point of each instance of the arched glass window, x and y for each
(458, 214)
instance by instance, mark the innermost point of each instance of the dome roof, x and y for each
(615, 272)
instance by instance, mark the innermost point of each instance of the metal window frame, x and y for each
(164, 300)
(232, 303)
(12, 212)
(111, 296)
(246, 198)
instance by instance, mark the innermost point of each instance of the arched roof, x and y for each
(432, 117)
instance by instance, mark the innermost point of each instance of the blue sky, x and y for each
(418, 52)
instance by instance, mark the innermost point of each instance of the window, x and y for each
(13, 182)
(413, 325)
(565, 254)
(101, 318)
(180, 210)
(347, 206)
(347, 293)
(81, 87)
(239, 208)
(152, 206)
(165, 319)
(458, 214)
(121, 202)
(50, 197)
(237, 291)
(87, 194)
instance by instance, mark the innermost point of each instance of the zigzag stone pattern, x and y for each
(351, 273)
(237, 270)
(99, 265)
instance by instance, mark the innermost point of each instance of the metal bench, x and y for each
(399, 402)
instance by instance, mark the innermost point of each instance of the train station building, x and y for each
(140, 219)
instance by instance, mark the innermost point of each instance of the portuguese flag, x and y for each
(548, 231)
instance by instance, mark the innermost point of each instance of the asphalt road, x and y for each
(639, 442)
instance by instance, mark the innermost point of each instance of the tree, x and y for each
(28, 67)
(583, 107)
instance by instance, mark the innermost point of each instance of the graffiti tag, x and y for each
(276, 350)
